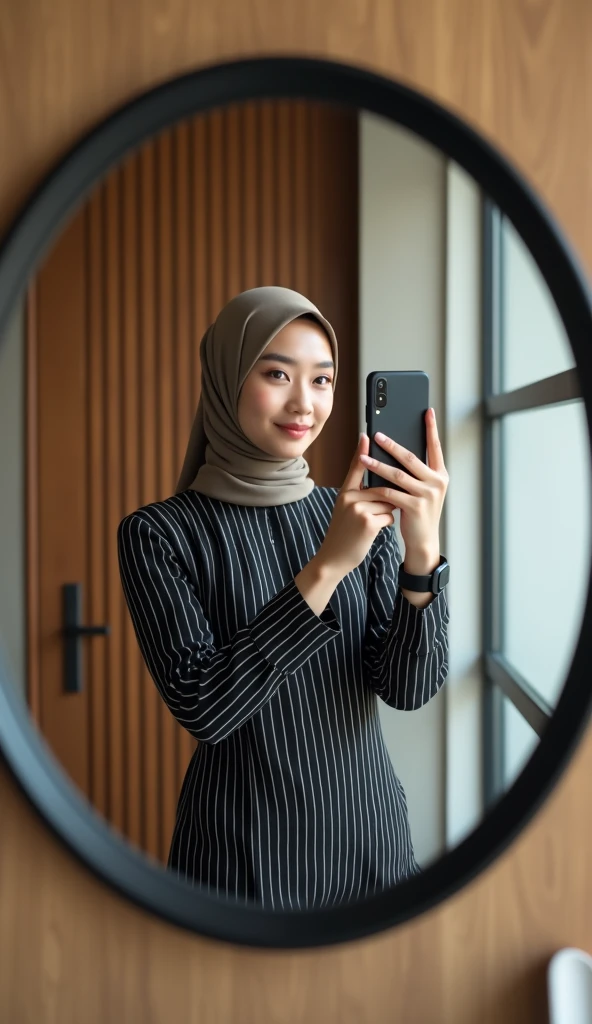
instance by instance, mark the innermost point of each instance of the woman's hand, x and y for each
(424, 489)
(358, 516)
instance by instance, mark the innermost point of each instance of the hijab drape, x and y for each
(220, 460)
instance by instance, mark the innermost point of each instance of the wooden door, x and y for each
(257, 194)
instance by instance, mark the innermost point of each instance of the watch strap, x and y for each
(433, 583)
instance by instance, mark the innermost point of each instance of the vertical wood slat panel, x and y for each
(184, 341)
(317, 186)
(301, 233)
(151, 701)
(201, 260)
(166, 349)
(222, 202)
(333, 284)
(129, 675)
(233, 170)
(112, 504)
(182, 287)
(251, 183)
(215, 241)
(283, 213)
(266, 194)
(95, 546)
(62, 496)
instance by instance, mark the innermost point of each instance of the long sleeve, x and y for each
(210, 691)
(405, 653)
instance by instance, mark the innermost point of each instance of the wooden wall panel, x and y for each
(156, 251)
(520, 71)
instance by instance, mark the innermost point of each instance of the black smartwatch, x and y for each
(433, 583)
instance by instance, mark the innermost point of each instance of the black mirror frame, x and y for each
(39, 775)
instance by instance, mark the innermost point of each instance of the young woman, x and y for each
(269, 614)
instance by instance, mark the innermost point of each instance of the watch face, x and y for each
(443, 576)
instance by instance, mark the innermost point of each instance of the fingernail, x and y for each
(380, 437)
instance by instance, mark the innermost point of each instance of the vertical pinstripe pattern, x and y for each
(290, 798)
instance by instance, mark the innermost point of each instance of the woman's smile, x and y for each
(292, 431)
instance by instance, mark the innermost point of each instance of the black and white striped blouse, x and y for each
(290, 798)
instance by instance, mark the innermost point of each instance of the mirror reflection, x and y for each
(291, 736)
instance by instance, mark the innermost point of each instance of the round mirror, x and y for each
(251, 749)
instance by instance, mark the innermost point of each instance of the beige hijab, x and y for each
(221, 461)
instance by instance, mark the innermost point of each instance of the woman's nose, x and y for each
(301, 399)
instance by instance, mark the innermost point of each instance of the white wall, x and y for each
(463, 524)
(12, 537)
(402, 326)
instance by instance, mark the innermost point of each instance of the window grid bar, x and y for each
(492, 310)
(561, 387)
(524, 697)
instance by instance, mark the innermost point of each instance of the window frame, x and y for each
(500, 677)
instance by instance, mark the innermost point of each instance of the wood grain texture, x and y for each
(520, 71)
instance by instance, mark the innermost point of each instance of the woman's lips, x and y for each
(293, 433)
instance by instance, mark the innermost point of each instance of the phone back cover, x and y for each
(403, 417)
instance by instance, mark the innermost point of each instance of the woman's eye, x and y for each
(322, 377)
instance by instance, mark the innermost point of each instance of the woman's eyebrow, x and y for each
(277, 358)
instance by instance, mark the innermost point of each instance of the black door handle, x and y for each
(73, 632)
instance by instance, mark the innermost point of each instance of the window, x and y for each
(544, 523)
(519, 741)
(536, 504)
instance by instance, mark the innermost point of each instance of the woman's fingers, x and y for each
(417, 476)
(404, 456)
(435, 455)
(379, 507)
(395, 476)
(436, 470)
(398, 499)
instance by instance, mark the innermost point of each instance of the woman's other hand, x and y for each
(421, 500)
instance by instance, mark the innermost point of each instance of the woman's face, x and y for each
(291, 382)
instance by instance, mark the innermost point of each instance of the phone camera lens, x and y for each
(381, 400)
(381, 384)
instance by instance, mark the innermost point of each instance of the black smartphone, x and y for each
(396, 404)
